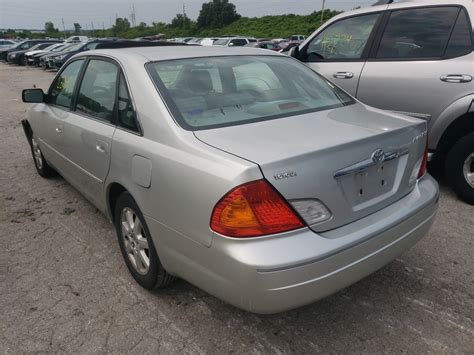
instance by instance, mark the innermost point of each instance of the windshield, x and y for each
(214, 92)
(36, 46)
(221, 42)
(75, 47)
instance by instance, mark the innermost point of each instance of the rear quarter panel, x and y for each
(187, 176)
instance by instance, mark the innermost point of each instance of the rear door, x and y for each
(89, 128)
(339, 51)
(421, 62)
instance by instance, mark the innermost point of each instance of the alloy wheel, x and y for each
(135, 241)
(468, 170)
(37, 153)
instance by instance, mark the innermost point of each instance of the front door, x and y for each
(339, 50)
(55, 111)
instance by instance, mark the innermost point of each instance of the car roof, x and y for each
(383, 5)
(150, 54)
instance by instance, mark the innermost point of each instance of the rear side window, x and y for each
(239, 42)
(126, 113)
(345, 39)
(62, 89)
(417, 33)
(96, 96)
(460, 42)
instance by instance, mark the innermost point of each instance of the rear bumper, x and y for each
(278, 273)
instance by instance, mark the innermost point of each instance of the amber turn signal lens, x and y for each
(253, 209)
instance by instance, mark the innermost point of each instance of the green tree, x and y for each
(77, 28)
(181, 21)
(217, 13)
(50, 30)
(121, 25)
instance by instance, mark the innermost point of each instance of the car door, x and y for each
(89, 128)
(421, 62)
(339, 50)
(53, 113)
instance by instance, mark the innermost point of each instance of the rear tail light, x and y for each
(424, 162)
(253, 209)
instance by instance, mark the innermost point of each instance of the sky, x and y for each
(32, 14)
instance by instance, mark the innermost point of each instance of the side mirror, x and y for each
(32, 95)
(231, 44)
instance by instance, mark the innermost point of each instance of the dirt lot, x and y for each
(64, 286)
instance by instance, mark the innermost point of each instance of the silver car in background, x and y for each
(241, 171)
(413, 57)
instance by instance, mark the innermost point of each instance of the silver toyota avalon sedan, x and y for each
(241, 171)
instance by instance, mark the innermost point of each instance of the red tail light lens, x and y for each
(424, 162)
(252, 210)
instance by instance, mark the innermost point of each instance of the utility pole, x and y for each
(322, 12)
(184, 15)
(132, 16)
(64, 28)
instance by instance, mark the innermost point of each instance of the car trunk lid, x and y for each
(356, 159)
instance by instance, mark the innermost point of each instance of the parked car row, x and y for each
(240, 41)
(49, 54)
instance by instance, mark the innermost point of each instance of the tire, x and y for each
(460, 168)
(41, 165)
(137, 245)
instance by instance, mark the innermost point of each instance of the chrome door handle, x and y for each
(100, 148)
(456, 78)
(58, 130)
(343, 75)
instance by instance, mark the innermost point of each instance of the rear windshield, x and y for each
(212, 92)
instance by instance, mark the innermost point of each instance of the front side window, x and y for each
(62, 89)
(213, 92)
(345, 39)
(27, 45)
(417, 33)
(96, 97)
(91, 46)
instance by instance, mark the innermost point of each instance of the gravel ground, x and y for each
(65, 288)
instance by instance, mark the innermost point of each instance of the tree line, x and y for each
(216, 18)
